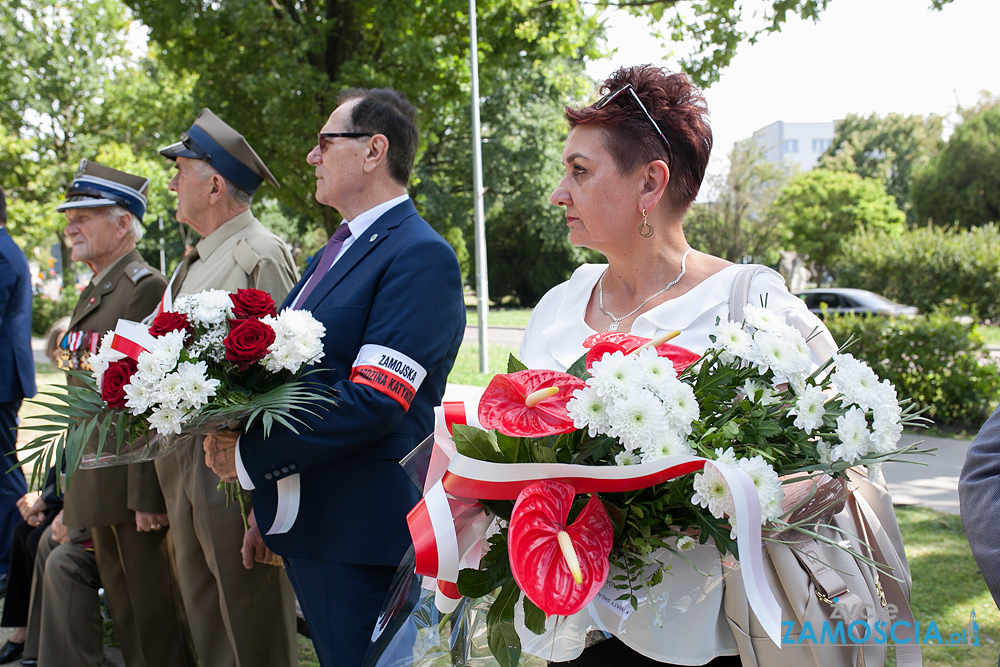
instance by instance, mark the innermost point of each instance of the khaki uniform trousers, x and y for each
(238, 617)
(145, 605)
(65, 628)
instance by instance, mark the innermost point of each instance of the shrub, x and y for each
(45, 311)
(939, 362)
(927, 267)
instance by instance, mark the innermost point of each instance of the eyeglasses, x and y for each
(324, 137)
(606, 100)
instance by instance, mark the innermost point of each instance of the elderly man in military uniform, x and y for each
(121, 505)
(240, 613)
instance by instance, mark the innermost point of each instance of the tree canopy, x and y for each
(822, 208)
(960, 185)
(74, 90)
(890, 149)
(273, 69)
(739, 222)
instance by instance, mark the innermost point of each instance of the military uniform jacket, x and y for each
(241, 253)
(109, 496)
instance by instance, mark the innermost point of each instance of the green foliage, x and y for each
(501, 635)
(72, 89)
(960, 185)
(739, 221)
(940, 363)
(889, 149)
(45, 311)
(821, 208)
(284, 65)
(927, 267)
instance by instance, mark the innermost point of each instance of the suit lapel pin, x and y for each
(371, 239)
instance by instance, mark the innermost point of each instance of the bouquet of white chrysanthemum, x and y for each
(217, 358)
(655, 437)
(757, 389)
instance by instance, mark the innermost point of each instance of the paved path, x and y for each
(934, 485)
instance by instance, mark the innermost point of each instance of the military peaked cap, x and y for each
(212, 140)
(95, 185)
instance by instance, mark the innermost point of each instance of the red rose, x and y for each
(247, 342)
(117, 375)
(169, 321)
(249, 303)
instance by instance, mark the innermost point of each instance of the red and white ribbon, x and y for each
(448, 525)
(132, 339)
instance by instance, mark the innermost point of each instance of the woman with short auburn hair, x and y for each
(633, 164)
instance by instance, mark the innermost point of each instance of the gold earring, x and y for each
(645, 229)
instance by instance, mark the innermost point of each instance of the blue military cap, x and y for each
(212, 140)
(95, 185)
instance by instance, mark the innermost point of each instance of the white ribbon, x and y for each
(452, 556)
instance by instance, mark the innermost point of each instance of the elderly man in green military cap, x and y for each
(240, 613)
(121, 505)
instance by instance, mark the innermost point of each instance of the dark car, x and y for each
(850, 300)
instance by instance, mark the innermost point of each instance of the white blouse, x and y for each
(682, 621)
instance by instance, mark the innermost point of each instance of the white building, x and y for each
(798, 144)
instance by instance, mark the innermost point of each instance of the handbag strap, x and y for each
(740, 291)
(829, 584)
(908, 654)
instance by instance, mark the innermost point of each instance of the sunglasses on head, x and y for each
(606, 100)
(325, 137)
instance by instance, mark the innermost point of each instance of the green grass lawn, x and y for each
(989, 333)
(500, 317)
(466, 370)
(947, 586)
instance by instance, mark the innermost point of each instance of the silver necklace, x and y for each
(615, 321)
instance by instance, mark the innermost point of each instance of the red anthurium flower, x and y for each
(614, 341)
(529, 403)
(560, 568)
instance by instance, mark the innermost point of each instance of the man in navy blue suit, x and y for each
(333, 499)
(17, 375)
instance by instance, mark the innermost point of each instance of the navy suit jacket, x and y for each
(396, 290)
(979, 500)
(17, 365)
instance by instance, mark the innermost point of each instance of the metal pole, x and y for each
(482, 281)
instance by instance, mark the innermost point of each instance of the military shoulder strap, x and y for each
(136, 271)
(245, 257)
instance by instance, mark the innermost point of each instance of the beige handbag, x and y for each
(837, 609)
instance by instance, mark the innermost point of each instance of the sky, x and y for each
(862, 56)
